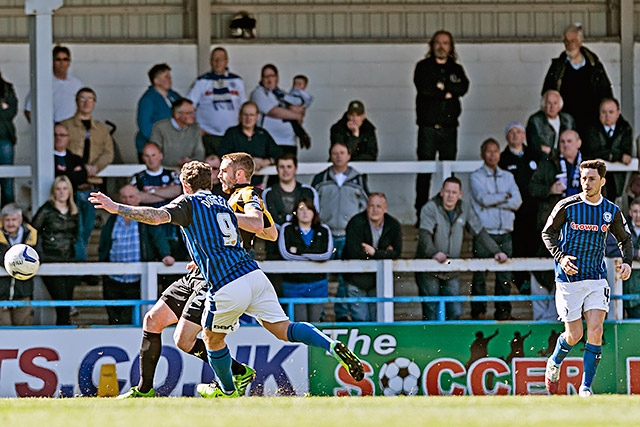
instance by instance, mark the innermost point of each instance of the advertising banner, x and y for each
(468, 359)
(67, 362)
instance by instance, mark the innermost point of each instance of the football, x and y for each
(21, 261)
(399, 377)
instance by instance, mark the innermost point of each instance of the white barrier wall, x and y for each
(506, 80)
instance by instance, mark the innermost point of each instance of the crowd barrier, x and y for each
(383, 269)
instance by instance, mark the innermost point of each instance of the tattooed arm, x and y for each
(145, 214)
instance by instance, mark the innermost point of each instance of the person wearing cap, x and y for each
(545, 126)
(580, 77)
(440, 83)
(495, 198)
(521, 161)
(357, 132)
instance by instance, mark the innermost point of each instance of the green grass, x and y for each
(603, 410)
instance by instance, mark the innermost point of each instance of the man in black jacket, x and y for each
(580, 78)
(610, 140)
(440, 82)
(372, 234)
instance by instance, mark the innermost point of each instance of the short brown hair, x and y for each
(597, 164)
(196, 175)
(241, 161)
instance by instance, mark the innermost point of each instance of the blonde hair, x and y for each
(71, 204)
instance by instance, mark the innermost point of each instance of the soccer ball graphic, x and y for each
(21, 261)
(399, 376)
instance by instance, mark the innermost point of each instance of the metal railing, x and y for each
(383, 269)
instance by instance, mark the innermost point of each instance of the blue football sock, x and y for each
(590, 361)
(561, 351)
(308, 334)
(220, 361)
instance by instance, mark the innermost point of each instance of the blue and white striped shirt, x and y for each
(210, 230)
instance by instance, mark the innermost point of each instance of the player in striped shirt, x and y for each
(235, 282)
(576, 234)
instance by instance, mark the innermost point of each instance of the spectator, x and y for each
(251, 139)
(89, 139)
(281, 198)
(495, 198)
(580, 78)
(157, 186)
(179, 136)
(611, 140)
(65, 86)
(442, 223)
(125, 240)
(520, 160)
(275, 113)
(357, 132)
(440, 82)
(14, 230)
(8, 111)
(631, 286)
(372, 234)
(57, 224)
(343, 192)
(213, 160)
(298, 94)
(65, 162)
(155, 104)
(545, 126)
(556, 178)
(217, 96)
(305, 238)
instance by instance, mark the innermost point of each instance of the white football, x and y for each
(399, 376)
(21, 261)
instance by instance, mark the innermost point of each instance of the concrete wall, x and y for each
(505, 85)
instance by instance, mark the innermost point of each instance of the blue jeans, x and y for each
(6, 184)
(430, 285)
(361, 311)
(87, 218)
(307, 312)
(341, 309)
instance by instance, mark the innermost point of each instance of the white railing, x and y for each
(384, 270)
(440, 168)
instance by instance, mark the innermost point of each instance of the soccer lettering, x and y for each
(48, 376)
(351, 387)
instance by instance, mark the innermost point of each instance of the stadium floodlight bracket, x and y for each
(41, 7)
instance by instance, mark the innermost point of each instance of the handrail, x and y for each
(444, 167)
(383, 269)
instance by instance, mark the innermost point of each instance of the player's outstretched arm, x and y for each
(145, 214)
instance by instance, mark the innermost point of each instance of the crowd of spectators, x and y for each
(336, 216)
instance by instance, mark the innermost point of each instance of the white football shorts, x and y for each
(252, 294)
(575, 297)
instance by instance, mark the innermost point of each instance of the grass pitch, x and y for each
(602, 410)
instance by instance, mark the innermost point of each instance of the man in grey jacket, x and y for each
(442, 223)
(495, 199)
(343, 192)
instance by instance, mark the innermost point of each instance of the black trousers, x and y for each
(112, 289)
(61, 288)
(432, 141)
